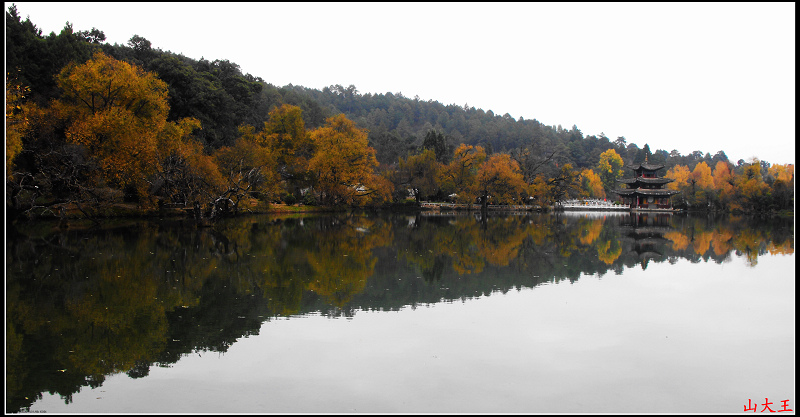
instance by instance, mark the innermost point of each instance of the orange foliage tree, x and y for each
(285, 134)
(500, 179)
(248, 170)
(343, 166)
(185, 174)
(116, 111)
(107, 132)
(609, 168)
(591, 185)
(723, 184)
(16, 121)
(460, 174)
(782, 172)
(747, 189)
(702, 183)
(681, 176)
(750, 188)
(783, 185)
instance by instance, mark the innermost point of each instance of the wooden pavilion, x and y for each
(646, 189)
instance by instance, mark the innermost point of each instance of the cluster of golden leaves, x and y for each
(591, 184)
(728, 186)
(117, 111)
(16, 120)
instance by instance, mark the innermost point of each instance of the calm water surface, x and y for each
(403, 313)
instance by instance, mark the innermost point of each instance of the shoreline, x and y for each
(133, 211)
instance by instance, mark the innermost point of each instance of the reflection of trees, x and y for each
(341, 260)
(702, 242)
(501, 239)
(101, 313)
(712, 238)
(679, 240)
(458, 243)
(784, 248)
(721, 240)
(427, 243)
(466, 242)
(591, 231)
(93, 303)
(748, 243)
(609, 251)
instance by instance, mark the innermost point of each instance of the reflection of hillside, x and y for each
(82, 305)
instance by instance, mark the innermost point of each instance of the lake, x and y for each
(403, 313)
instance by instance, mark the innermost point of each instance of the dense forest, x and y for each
(89, 124)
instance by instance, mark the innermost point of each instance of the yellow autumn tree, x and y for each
(500, 180)
(782, 188)
(591, 184)
(609, 168)
(681, 175)
(702, 176)
(184, 174)
(16, 120)
(459, 175)
(248, 170)
(723, 183)
(285, 134)
(343, 166)
(702, 183)
(285, 131)
(750, 187)
(541, 192)
(116, 111)
(782, 172)
(723, 176)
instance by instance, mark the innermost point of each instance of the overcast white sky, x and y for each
(685, 76)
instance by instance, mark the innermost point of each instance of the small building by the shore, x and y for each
(645, 189)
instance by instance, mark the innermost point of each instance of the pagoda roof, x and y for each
(644, 180)
(645, 191)
(646, 166)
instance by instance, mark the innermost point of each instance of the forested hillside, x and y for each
(226, 113)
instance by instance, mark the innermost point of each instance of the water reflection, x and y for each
(86, 304)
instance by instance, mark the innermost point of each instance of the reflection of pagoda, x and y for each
(646, 233)
(646, 190)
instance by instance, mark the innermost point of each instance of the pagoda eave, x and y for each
(645, 191)
(643, 180)
(646, 166)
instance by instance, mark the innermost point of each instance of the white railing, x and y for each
(592, 204)
(461, 206)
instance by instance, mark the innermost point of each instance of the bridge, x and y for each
(592, 204)
(427, 205)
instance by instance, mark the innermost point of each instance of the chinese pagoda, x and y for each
(646, 190)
